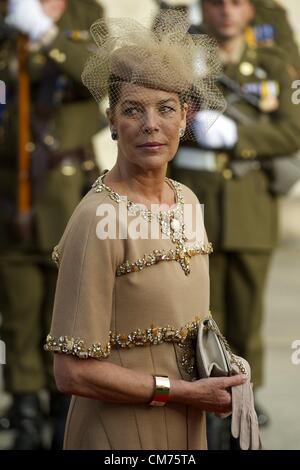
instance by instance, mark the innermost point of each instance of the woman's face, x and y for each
(147, 123)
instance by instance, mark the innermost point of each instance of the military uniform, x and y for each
(64, 118)
(271, 27)
(239, 210)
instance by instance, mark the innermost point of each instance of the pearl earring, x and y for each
(181, 132)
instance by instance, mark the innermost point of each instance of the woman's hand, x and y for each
(211, 394)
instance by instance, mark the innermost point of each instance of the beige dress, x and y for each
(135, 303)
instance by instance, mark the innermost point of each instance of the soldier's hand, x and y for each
(29, 18)
(221, 135)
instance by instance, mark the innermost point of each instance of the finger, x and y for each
(248, 401)
(237, 398)
(234, 380)
(237, 404)
(245, 431)
(255, 440)
(242, 413)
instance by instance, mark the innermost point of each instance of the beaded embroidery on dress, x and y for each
(171, 224)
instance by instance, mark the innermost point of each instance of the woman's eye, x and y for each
(166, 109)
(131, 111)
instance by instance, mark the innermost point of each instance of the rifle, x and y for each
(237, 94)
(23, 190)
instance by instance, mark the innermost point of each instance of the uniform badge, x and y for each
(246, 69)
(263, 35)
(77, 35)
(260, 73)
(267, 91)
(269, 96)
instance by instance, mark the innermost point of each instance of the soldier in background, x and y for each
(63, 120)
(225, 170)
(271, 27)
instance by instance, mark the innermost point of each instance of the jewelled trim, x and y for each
(171, 223)
(181, 255)
(55, 256)
(188, 356)
(76, 347)
(134, 208)
(153, 335)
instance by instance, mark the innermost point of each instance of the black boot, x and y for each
(29, 422)
(59, 405)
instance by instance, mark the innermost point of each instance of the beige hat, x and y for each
(166, 58)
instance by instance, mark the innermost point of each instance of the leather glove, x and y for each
(221, 135)
(29, 18)
(244, 424)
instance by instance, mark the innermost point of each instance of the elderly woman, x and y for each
(127, 307)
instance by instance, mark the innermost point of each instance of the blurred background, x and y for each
(280, 394)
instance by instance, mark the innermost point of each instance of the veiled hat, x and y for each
(165, 58)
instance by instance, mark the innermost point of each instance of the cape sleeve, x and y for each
(83, 304)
